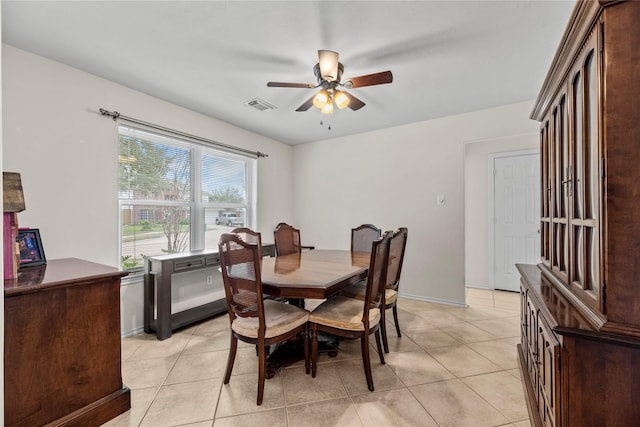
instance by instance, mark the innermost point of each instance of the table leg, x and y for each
(163, 321)
(149, 299)
(291, 352)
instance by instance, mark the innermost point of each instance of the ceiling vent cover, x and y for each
(260, 104)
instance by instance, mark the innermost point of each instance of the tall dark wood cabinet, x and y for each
(580, 348)
(62, 360)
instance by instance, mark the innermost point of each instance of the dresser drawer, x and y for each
(212, 260)
(189, 263)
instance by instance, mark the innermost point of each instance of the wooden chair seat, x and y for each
(279, 318)
(390, 296)
(358, 290)
(344, 313)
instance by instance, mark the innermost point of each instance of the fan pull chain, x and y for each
(322, 123)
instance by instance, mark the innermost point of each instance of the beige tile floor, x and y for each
(453, 366)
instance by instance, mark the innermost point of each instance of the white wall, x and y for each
(391, 178)
(66, 153)
(476, 166)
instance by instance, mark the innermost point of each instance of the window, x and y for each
(177, 195)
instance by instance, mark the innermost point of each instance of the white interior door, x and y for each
(516, 216)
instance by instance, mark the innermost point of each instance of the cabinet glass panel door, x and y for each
(560, 188)
(545, 189)
(586, 177)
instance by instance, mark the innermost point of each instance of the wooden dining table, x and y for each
(313, 274)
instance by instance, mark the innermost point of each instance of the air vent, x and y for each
(260, 104)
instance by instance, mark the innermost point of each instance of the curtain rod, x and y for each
(115, 115)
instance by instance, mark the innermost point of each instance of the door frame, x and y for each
(492, 220)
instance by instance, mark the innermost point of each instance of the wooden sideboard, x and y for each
(159, 271)
(580, 349)
(62, 360)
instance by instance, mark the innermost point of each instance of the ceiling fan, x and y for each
(328, 72)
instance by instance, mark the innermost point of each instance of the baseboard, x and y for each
(477, 286)
(136, 331)
(435, 300)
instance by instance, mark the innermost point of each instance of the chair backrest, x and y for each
(377, 276)
(249, 236)
(287, 239)
(240, 264)
(363, 236)
(396, 257)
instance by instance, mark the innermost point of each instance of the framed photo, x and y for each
(30, 245)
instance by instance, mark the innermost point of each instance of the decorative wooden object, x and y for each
(580, 348)
(12, 203)
(12, 195)
(62, 360)
(11, 253)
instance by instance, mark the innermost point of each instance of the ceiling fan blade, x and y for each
(280, 84)
(370, 79)
(307, 104)
(354, 103)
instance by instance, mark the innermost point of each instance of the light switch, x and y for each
(440, 200)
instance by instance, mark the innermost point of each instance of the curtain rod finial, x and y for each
(114, 114)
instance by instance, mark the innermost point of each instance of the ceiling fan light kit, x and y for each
(328, 72)
(321, 99)
(341, 99)
(324, 100)
(327, 108)
(328, 64)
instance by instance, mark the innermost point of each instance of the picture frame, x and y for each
(30, 247)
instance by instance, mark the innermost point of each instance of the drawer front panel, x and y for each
(212, 260)
(188, 263)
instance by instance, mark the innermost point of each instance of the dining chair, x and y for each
(363, 236)
(396, 259)
(253, 319)
(394, 270)
(352, 318)
(287, 240)
(249, 236)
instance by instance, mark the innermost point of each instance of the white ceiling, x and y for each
(447, 57)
